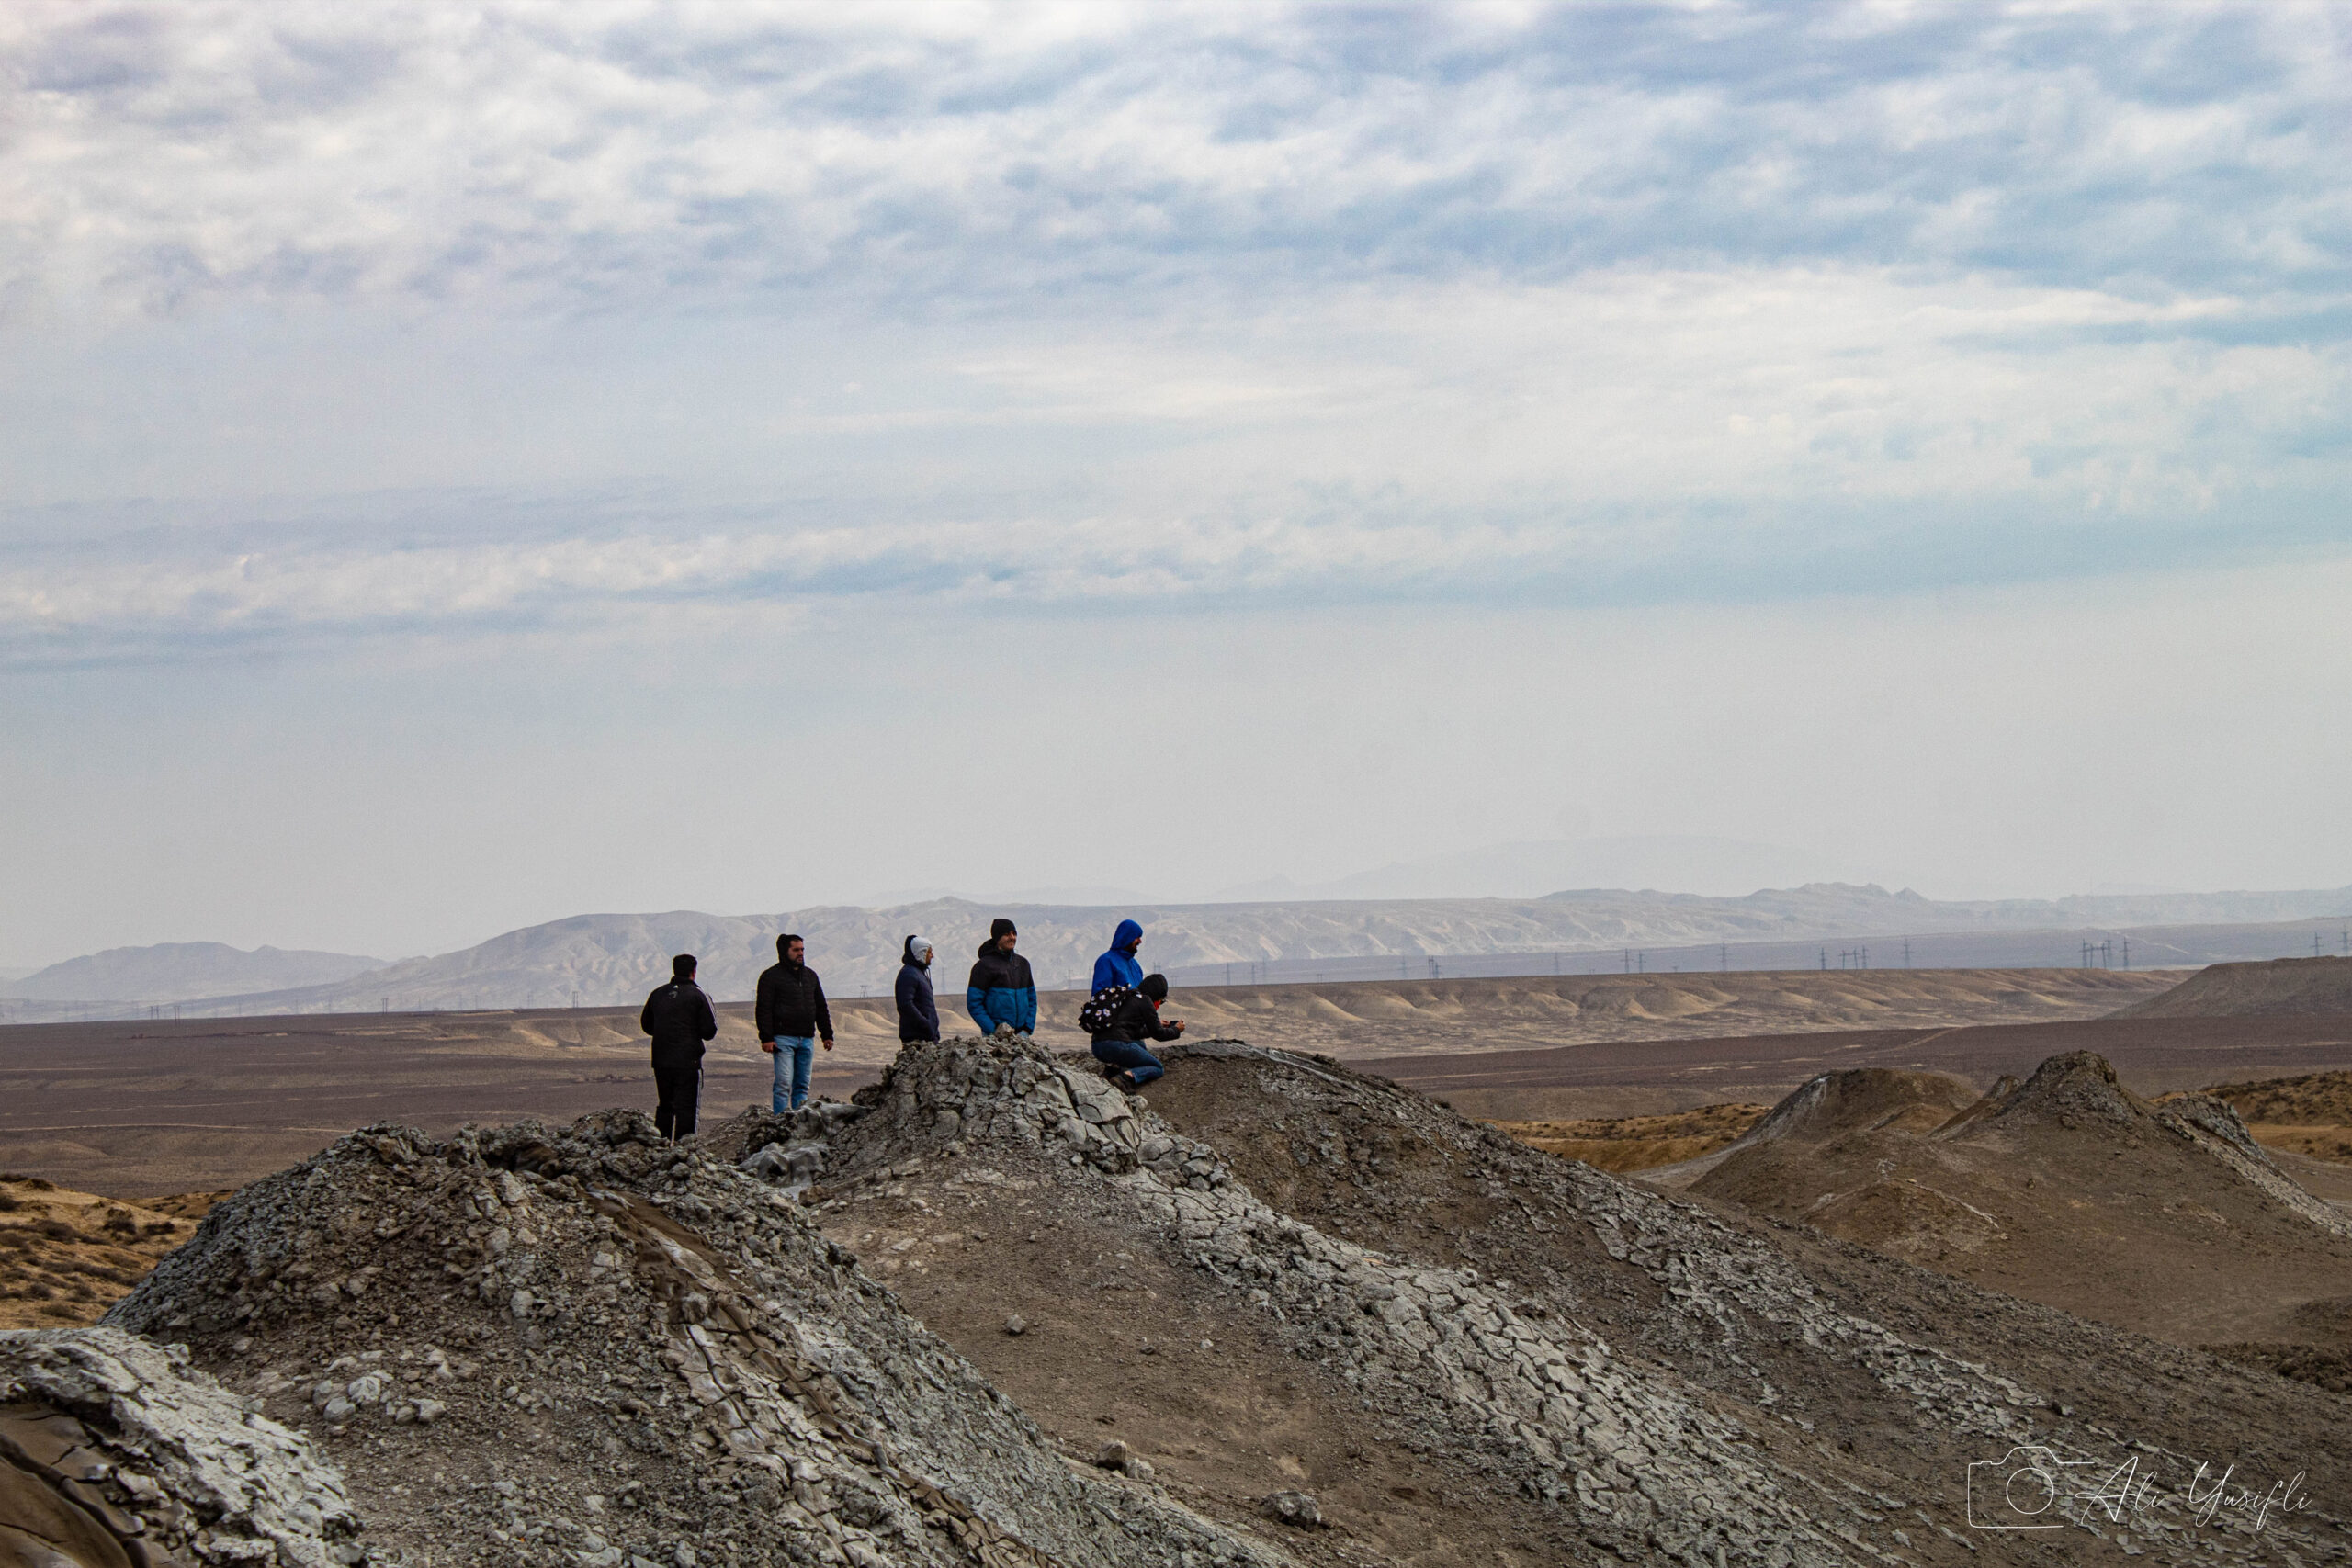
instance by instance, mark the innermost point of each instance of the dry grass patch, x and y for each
(66, 1257)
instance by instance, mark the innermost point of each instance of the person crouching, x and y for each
(1120, 1044)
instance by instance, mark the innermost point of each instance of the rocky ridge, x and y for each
(583, 1346)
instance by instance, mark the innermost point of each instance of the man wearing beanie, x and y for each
(918, 1008)
(1001, 994)
(1137, 1019)
(679, 1018)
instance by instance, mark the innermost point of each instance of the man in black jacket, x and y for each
(1121, 1042)
(790, 1014)
(680, 1019)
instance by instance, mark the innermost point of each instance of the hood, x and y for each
(1126, 936)
(908, 950)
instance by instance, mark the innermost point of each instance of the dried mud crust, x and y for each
(1583, 1450)
(583, 1348)
(115, 1453)
(1892, 1378)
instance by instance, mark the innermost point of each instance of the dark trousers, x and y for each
(1141, 1065)
(678, 1090)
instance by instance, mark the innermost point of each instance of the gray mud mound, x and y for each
(581, 1347)
(115, 1453)
(1525, 1358)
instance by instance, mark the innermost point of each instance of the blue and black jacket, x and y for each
(1001, 991)
(1118, 966)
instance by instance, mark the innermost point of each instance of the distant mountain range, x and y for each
(603, 960)
(186, 971)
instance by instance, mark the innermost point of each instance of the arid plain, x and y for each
(135, 1109)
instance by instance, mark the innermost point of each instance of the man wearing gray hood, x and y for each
(918, 1010)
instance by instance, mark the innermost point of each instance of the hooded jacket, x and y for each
(790, 1004)
(679, 1018)
(918, 1008)
(1118, 966)
(1001, 991)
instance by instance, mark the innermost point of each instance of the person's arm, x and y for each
(645, 1016)
(824, 1013)
(763, 1011)
(926, 1004)
(709, 1014)
(1025, 1008)
(976, 1003)
(1106, 974)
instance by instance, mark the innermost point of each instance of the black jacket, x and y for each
(918, 1008)
(791, 1004)
(680, 1019)
(1138, 1020)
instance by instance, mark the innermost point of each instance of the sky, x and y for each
(466, 465)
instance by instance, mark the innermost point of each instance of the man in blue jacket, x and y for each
(1118, 966)
(918, 1010)
(1001, 993)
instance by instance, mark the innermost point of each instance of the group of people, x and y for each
(793, 1021)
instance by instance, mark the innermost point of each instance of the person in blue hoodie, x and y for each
(1118, 966)
(918, 1011)
(1001, 993)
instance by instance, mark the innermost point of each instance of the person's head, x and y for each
(1156, 987)
(1127, 937)
(790, 948)
(682, 966)
(1003, 933)
(918, 953)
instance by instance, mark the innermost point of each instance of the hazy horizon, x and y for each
(462, 467)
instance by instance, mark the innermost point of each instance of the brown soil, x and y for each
(1637, 1143)
(2283, 988)
(65, 1257)
(2069, 1189)
(2153, 1056)
(1123, 1340)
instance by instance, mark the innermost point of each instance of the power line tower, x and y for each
(1723, 953)
(2127, 953)
(1906, 952)
(1825, 958)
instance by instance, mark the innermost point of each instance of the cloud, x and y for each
(391, 320)
(972, 157)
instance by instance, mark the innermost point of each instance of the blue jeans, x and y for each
(1141, 1065)
(792, 1059)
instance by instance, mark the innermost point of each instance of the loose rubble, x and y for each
(584, 1347)
(114, 1451)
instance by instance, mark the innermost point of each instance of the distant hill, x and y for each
(186, 971)
(612, 959)
(2285, 985)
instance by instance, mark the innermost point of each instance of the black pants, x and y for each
(678, 1090)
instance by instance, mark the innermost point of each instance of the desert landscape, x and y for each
(1327, 1293)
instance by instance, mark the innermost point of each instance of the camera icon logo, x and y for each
(2020, 1491)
